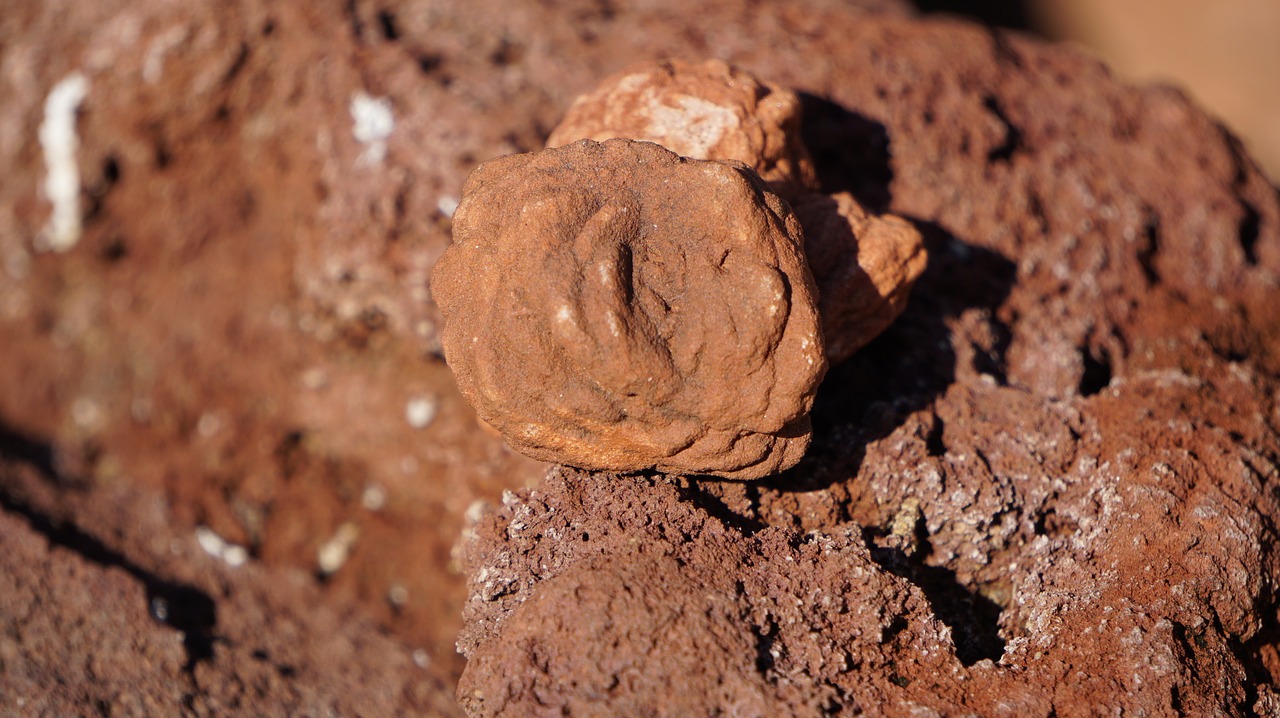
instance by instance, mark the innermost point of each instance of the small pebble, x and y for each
(420, 411)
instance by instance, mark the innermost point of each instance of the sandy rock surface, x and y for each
(616, 306)
(864, 264)
(1081, 394)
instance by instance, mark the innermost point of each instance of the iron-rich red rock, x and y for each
(1077, 412)
(1048, 486)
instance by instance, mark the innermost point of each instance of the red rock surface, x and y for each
(108, 612)
(1082, 394)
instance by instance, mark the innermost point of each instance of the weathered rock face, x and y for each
(616, 306)
(244, 331)
(1050, 485)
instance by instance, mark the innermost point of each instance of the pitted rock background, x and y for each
(238, 337)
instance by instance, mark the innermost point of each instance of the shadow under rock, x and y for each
(913, 362)
(1014, 14)
(850, 151)
(973, 618)
(183, 607)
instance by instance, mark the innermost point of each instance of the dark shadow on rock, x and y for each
(183, 607)
(17, 446)
(700, 491)
(850, 152)
(1251, 653)
(1013, 14)
(973, 618)
(909, 365)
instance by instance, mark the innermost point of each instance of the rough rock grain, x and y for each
(246, 314)
(709, 628)
(107, 610)
(235, 339)
(709, 110)
(615, 306)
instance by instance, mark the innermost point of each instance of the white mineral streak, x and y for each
(58, 140)
(218, 547)
(372, 123)
(335, 552)
(699, 123)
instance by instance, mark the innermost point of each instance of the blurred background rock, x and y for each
(1225, 54)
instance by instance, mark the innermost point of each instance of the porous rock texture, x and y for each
(244, 333)
(107, 611)
(233, 342)
(1051, 486)
(616, 306)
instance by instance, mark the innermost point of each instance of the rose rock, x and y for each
(616, 306)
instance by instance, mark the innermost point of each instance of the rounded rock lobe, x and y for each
(864, 265)
(615, 306)
(708, 110)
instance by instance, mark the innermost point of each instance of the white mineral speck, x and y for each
(86, 414)
(421, 410)
(421, 658)
(372, 123)
(235, 555)
(211, 542)
(374, 497)
(335, 552)
(447, 205)
(214, 545)
(208, 425)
